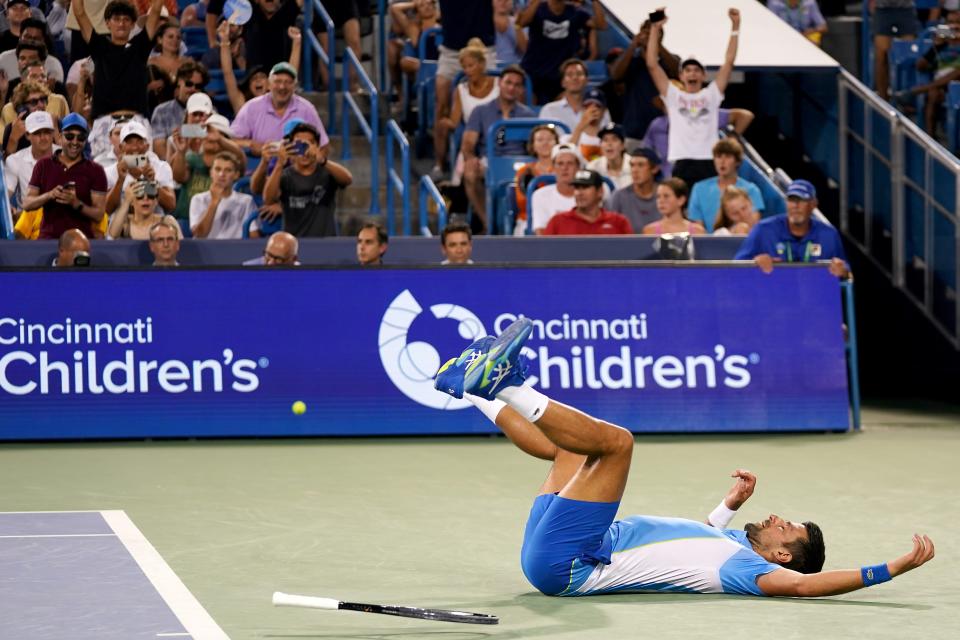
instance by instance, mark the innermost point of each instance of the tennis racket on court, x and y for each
(440, 615)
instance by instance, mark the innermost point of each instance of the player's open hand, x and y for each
(741, 490)
(921, 553)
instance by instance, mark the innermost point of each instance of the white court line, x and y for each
(173, 635)
(191, 613)
(65, 535)
(5, 513)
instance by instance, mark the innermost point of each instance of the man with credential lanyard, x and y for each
(795, 236)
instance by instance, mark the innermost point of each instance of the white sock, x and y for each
(526, 400)
(489, 408)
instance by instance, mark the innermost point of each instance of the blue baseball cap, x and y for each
(595, 95)
(74, 120)
(802, 189)
(298, 124)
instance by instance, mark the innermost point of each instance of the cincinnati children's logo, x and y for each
(76, 357)
(565, 352)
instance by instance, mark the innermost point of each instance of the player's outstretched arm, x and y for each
(741, 491)
(785, 582)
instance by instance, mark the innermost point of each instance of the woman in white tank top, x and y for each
(477, 89)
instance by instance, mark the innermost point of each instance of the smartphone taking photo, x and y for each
(657, 16)
(193, 131)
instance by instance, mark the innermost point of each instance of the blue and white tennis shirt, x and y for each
(676, 555)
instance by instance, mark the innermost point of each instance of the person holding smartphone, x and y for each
(138, 162)
(694, 110)
(68, 186)
(307, 188)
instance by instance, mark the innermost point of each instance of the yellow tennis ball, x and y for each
(299, 408)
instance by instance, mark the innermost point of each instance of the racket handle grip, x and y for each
(281, 599)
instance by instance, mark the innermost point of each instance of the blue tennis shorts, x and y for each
(564, 540)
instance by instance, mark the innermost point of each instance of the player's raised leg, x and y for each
(607, 448)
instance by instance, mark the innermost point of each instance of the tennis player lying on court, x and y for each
(573, 546)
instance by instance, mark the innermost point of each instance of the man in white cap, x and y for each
(19, 167)
(139, 163)
(191, 78)
(554, 198)
(262, 119)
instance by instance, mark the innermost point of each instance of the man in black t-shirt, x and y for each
(307, 189)
(120, 62)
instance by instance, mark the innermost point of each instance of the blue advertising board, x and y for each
(176, 353)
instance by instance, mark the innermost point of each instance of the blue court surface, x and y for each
(90, 575)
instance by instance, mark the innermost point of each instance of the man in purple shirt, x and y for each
(262, 119)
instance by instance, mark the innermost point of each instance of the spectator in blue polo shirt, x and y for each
(795, 236)
(475, 147)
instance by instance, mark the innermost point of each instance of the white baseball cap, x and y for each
(134, 128)
(38, 120)
(199, 102)
(220, 123)
(567, 147)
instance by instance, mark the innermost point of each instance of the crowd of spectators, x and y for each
(135, 141)
(138, 141)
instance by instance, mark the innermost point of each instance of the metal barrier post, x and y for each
(382, 46)
(428, 189)
(370, 130)
(396, 182)
(311, 45)
(6, 217)
(851, 317)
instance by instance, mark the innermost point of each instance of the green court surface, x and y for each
(437, 522)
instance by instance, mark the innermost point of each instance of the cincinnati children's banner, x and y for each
(114, 354)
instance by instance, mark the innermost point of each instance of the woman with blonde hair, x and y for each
(478, 88)
(736, 215)
(672, 196)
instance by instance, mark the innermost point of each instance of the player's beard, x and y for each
(752, 531)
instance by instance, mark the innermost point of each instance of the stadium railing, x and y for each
(382, 46)
(371, 130)
(311, 45)
(899, 202)
(850, 340)
(429, 191)
(398, 182)
(953, 116)
(6, 217)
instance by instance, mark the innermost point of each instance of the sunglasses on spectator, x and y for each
(71, 137)
(36, 102)
(190, 84)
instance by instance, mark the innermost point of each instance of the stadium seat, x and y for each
(596, 72)
(196, 40)
(773, 201)
(536, 183)
(502, 169)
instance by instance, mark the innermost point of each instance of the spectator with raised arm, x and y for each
(191, 167)
(642, 103)
(256, 81)
(411, 19)
(657, 136)
(68, 187)
(588, 217)
(28, 98)
(120, 62)
(305, 182)
(795, 236)
(476, 148)
(694, 110)
(554, 36)
(638, 200)
(262, 119)
(586, 134)
(705, 196)
(672, 195)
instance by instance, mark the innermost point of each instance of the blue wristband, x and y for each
(875, 575)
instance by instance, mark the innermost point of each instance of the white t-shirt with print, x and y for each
(694, 120)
